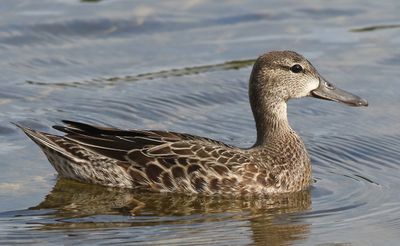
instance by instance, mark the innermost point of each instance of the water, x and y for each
(184, 66)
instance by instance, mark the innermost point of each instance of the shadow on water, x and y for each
(78, 206)
(229, 65)
(375, 28)
(90, 1)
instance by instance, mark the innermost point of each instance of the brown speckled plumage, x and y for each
(174, 162)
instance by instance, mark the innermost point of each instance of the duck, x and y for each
(165, 161)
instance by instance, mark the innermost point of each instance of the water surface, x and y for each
(184, 66)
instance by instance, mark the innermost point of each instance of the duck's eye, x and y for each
(296, 68)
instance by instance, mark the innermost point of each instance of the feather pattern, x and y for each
(175, 162)
(154, 160)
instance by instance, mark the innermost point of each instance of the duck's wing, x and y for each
(160, 160)
(121, 144)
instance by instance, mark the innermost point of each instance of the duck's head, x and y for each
(282, 75)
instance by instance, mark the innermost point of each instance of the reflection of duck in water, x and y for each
(268, 220)
(174, 162)
(74, 199)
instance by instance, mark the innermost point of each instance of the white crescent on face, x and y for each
(312, 84)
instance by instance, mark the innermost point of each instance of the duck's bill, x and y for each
(327, 91)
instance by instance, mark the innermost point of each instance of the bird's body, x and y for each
(175, 162)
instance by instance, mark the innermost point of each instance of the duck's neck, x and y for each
(271, 121)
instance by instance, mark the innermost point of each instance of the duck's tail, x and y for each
(44, 140)
(73, 161)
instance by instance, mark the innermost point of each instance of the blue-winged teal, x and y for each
(175, 162)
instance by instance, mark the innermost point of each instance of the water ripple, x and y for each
(354, 173)
(68, 31)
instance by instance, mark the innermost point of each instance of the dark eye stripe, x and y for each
(288, 68)
(284, 67)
